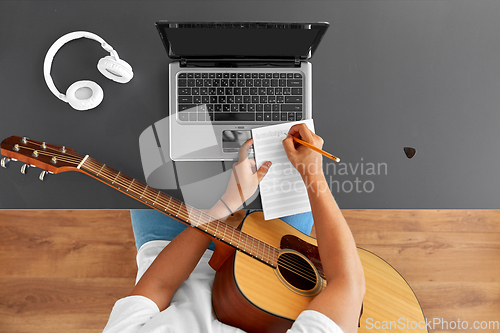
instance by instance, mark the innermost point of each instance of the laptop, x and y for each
(229, 77)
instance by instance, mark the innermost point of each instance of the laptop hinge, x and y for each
(239, 63)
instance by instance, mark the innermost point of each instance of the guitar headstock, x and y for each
(50, 158)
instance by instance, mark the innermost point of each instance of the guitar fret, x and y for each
(158, 201)
(162, 201)
(168, 203)
(199, 217)
(147, 194)
(188, 218)
(105, 173)
(239, 240)
(100, 170)
(198, 220)
(246, 241)
(216, 228)
(226, 234)
(184, 214)
(122, 181)
(108, 174)
(221, 233)
(232, 235)
(178, 208)
(225, 230)
(194, 217)
(188, 214)
(144, 191)
(130, 184)
(264, 251)
(206, 225)
(116, 177)
(154, 202)
(191, 211)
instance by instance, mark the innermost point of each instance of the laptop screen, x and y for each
(254, 40)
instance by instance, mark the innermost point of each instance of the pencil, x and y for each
(308, 145)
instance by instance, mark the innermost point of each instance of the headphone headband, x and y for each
(49, 57)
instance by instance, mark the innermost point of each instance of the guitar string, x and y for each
(294, 266)
(68, 152)
(109, 171)
(156, 195)
(63, 158)
(308, 272)
(305, 276)
(69, 157)
(59, 157)
(189, 214)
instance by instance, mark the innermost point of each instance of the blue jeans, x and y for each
(149, 224)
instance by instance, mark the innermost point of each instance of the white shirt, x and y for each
(190, 309)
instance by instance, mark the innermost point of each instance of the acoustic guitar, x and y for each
(267, 272)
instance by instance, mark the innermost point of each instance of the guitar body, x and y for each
(251, 295)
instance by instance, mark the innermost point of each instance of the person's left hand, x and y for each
(245, 178)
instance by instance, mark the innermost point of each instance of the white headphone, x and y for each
(85, 95)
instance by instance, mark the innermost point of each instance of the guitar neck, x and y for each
(180, 211)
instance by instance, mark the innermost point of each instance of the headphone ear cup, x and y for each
(115, 69)
(84, 95)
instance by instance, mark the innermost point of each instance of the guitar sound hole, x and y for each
(297, 271)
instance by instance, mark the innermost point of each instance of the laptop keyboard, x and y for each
(222, 96)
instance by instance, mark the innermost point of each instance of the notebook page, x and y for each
(282, 190)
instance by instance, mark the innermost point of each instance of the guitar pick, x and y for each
(410, 152)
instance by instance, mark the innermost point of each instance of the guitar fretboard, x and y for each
(181, 212)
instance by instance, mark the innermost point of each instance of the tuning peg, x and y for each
(4, 162)
(42, 174)
(24, 167)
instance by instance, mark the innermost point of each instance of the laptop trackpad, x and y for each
(232, 140)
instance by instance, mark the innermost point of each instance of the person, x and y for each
(173, 287)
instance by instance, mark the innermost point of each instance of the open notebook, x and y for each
(282, 190)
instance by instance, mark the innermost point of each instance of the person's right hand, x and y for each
(307, 162)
